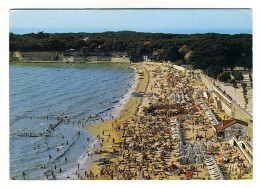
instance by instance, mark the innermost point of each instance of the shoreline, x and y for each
(64, 62)
(129, 110)
(86, 159)
(148, 147)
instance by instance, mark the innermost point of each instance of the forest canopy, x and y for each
(211, 52)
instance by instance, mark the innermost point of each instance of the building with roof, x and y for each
(146, 58)
(85, 39)
(147, 42)
(184, 49)
(229, 128)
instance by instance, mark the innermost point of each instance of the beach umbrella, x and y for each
(188, 174)
(223, 157)
(220, 155)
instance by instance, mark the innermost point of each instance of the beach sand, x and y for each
(154, 79)
(129, 110)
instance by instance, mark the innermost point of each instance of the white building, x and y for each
(226, 129)
(146, 58)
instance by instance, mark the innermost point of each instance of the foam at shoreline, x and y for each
(126, 97)
(84, 160)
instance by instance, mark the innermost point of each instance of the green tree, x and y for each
(214, 71)
(224, 76)
(232, 81)
(179, 62)
(235, 84)
(251, 79)
(237, 75)
(246, 101)
(244, 85)
(172, 54)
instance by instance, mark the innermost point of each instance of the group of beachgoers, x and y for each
(149, 147)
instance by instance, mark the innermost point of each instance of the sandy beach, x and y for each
(143, 142)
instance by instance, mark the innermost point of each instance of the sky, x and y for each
(229, 21)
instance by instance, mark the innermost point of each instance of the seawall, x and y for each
(60, 57)
(227, 104)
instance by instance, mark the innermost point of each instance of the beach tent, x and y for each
(195, 143)
(209, 146)
(183, 160)
(202, 146)
(198, 159)
(197, 151)
(205, 155)
(191, 159)
(223, 157)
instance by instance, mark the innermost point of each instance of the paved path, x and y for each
(237, 94)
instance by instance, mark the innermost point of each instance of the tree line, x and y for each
(211, 52)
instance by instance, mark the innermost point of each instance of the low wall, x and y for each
(108, 59)
(60, 57)
(179, 68)
(209, 82)
(228, 105)
(244, 148)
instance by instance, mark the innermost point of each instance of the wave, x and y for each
(125, 97)
(63, 152)
(102, 111)
(78, 96)
(116, 101)
(84, 161)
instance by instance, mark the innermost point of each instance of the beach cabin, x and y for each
(226, 129)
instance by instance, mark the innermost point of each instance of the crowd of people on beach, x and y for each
(148, 148)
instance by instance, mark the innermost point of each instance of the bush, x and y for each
(237, 75)
(235, 84)
(232, 81)
(214, 71)
(251, 79)
(224, 76)
(244, 85)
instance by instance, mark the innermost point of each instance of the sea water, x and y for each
(78, 93)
